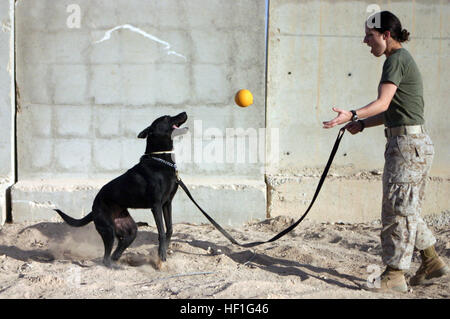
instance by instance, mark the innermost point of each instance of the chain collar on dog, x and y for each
(173, 165)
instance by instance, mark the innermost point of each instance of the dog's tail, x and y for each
(75, 222)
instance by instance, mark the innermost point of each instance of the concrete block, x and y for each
(132, 150)
(73, 121)
(211, 46)
(106, 86)
(201, 14)
(30, 13)
(33, 82)
(37, 15)
(34, 156)
(198, 123)
(33, 49)
(140, 84)
(139, 48)
(40, 154)
(305, 15)
(342, 199)
(336, 14)
(140, 44)
(106, 52)
(35, 200)
(180, 42)
(249, 49)
(73, 155)
(211, 84)
(231, 202)
(99, 14)
(137, 119)
(428, 11)
(68, 46)
(138, 12)
(70, 83)
(171, 14)
(106, 154)
(174, 84)
(106, 121)
(35, 120)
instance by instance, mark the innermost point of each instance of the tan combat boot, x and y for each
(432, 267)
(391, 280)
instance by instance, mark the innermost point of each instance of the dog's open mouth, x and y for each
(180, 120)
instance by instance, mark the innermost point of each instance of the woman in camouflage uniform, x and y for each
(408, 156)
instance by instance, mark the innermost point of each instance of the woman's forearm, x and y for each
(374, 120)
(371, 110)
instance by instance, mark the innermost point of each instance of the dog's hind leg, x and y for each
(106, 231)
(126, 231)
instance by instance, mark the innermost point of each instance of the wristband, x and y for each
(354, 116)
(363, 125)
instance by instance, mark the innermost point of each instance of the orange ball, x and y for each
(243, 98)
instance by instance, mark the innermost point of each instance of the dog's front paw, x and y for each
(107, 262)
(158, 264)
(162, 253)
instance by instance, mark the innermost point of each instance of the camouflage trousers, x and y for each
(407, 163)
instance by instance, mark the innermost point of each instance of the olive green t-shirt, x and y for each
(406, 107)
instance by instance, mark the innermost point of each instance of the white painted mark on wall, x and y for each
(130, 27)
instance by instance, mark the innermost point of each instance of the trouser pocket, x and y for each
(408, 158)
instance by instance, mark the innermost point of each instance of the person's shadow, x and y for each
(281, 266)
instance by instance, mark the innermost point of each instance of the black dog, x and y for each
(152, 183)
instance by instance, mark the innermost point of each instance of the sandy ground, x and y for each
(316, 260)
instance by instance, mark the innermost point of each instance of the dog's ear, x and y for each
(145, 133)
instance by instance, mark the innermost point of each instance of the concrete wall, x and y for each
(6, 103)
(85, 94)
(317, 60)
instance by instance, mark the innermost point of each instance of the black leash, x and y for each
(287, 230)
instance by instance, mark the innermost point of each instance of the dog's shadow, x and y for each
(64, 242)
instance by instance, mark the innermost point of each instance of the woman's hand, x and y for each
(386, 92)
(342, 117)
